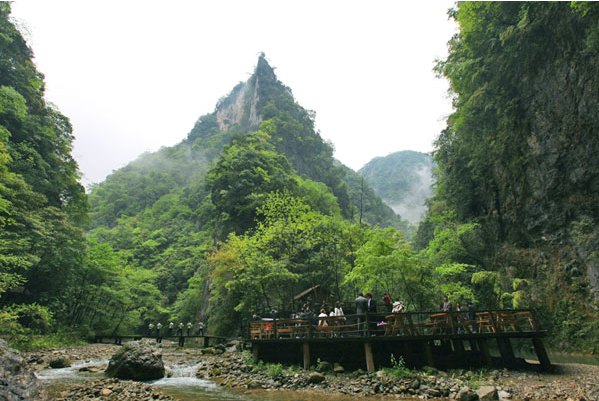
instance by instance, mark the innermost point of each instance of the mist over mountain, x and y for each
(252, 207)
(260, 98)
(168, 209)
(404, 180)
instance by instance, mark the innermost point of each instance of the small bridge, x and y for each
(206, 341)
(437, 339)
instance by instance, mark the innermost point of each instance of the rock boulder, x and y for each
(17, 382)
(60, 362)
(316, 378)
(137, 360)
(465, 394)
(487, 393)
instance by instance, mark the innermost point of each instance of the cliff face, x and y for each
(519, 155)
(562, 206)
(240, 107)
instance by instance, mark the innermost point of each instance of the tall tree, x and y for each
(42, 205)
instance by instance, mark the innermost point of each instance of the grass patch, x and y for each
(30, 342)
(399, 369)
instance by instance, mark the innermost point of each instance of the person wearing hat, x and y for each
(398, 307)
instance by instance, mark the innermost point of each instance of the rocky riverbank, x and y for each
(571, 382)
(235, 370)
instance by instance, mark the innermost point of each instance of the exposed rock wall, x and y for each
(240, 107)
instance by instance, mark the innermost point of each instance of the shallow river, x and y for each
(184, 386)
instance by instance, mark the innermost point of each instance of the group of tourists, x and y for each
(447, 306)
(325, 312)
(367, 304)
(469, 315)
(156, 330)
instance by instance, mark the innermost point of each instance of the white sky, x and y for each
(133, 76)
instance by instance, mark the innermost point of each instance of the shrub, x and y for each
(274, 370)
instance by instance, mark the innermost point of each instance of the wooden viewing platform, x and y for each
(437, 339)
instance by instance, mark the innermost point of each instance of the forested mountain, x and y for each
(252, 208)
(519, 155)
(42, 205)
(138, 185)
(167, 210)
(404, 180)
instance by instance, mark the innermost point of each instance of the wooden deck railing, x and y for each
(408, 324)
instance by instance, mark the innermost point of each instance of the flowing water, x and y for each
(75, 373)
(183, 385)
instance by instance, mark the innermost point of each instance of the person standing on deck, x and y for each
(201, 328)
(158, 328)
(446, 306)
(150, 328)
(188, 326)
(171, 325)
(387, 301)
(471, 316)
(361, 309)
(371, 303)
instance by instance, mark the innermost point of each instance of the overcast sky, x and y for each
(133, 76)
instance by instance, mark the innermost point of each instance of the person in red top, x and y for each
(387, 300)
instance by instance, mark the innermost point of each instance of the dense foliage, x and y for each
(42, 204)
(166, 211)
(519, 153)
(251, 209)
(50, 279)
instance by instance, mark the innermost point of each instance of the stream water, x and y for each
(182, 385)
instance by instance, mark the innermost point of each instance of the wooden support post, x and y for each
(458, 347)
(255, 352)
(484, 351)
(306, 347)
(369, 357)
(505, 349)
(206, 341)
(541, 354)
(428, 352)
(473, 344)
(407, 351)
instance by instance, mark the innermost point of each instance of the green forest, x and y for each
(252, 207)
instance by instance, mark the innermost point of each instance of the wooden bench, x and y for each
(330, 325)
(441, 323)
(261, 329)
(399, 324)
(284, 328)
(485, 322)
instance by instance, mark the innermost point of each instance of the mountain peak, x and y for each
(241, 107)
(263, 68)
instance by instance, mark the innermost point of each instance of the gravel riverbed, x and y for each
(569, 382)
